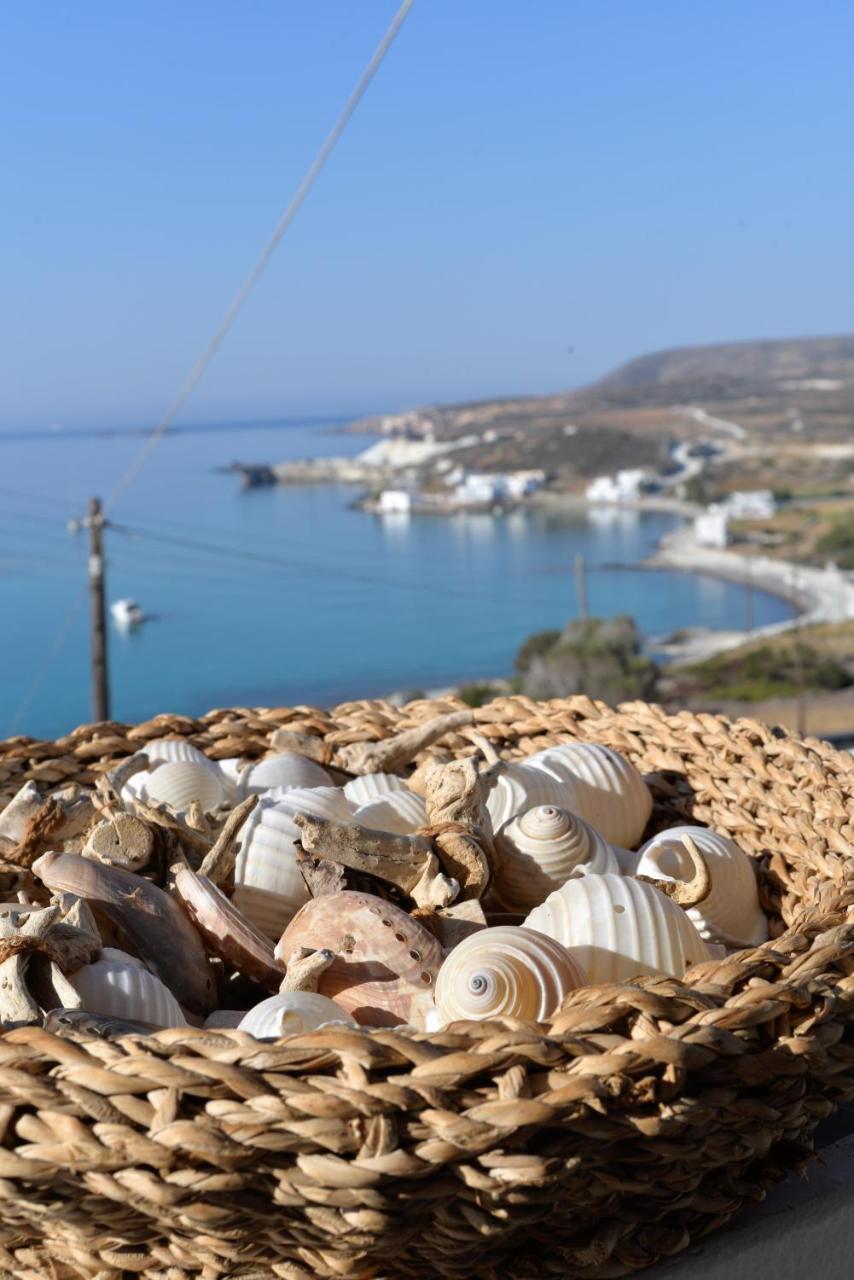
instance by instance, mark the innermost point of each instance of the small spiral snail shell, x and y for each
(540, 849)
(506, 972)
(514, 788)
(607, 789)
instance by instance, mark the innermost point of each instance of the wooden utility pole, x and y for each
(100, 686)
(581, 586)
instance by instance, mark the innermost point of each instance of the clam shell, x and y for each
(292, 1012)
(618, 928)
(542, 848)
(176, 751)
(372, 786)
(515, 788)
(607, 789)
(401, 812)
(230, 771)
(284, 770)
(731, 912)
(180, 784)
(123, 989)
(268, 886)
(226, 931)
(506, 972)
(385, 962)
(319, 802)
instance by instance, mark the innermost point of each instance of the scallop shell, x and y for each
(123, 989)
(176, 751)
(268, 886)
(515, 788)
(318, 802)
(231, 771)
(226, 931)
(506, 972)
(284, 770)
(372, 786)
(401, 812)
(618, 928)
(731, 913)
(542, 848)
(181, 783)
(608, 791)
(292, 1012)
(385, 962)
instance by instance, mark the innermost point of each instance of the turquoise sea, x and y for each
(285, 595)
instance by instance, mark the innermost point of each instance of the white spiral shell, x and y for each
(372, 786)
(731, 913)
(290, 1012)
(400, 812)
(607, 789)
(618, 928)
(180, 783)
(515, 788)
(542, 848)
(268, 886)
(284, 770)
(122, 988)
(506, 972)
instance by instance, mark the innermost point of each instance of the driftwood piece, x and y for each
(24, 933)
(73, 1021)
(322, 876)
(453, 924)
(122, 840)
(218, 862)
(163, 817)
(393, 754)
(408, 862)
(686, 893)
(302, 744)
(304, 969)
(458, 826)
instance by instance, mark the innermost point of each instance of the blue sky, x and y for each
(531, 192)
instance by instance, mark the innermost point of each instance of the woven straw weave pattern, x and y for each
(641, 1118)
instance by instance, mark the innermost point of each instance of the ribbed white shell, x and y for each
(268, 887)
(285, 770)
(505, 972)
(608, 791)
(293, 1011)
(176, 751)
(372, 786)
(319, 802)
(731, 912)
(516, 788)
(400, 812)
(618, 928)
(180, 783)
(123, 989)
(542, 848)
(230, 772)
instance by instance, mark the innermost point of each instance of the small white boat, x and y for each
(126, 614)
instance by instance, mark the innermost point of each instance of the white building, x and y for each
(481, 487)
(711, 527)
(522, 483)
(751, 504)
(394, 502)
(625, 486)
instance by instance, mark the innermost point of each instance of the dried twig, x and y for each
(304, 969)
(218, 862)
(393, 754)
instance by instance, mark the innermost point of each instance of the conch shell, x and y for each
(293, 1011)
(284, 770)
(618, 928)
(122, 988)
(226, 932)
(606, 789)
(506, 972)
(514, 788)
(540, 849)
(385, 962)
(730, 913)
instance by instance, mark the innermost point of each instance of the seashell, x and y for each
(284, 770)
(123, 989)
(506, 972)
(372, 786)
(618, 928)
(290, 1013)
(182, 783)
(515, 788)
(225, 1019)
(731, 912)
(176, 751)
(151, 921)
(542, 848)
(226, 932)
(607, 789)
(268, 886)
(385, 962)
(318, 802)
(81, 1021)
(400, 812)
(231, 771)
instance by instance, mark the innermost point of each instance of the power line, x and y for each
(267, 253)
(44, 669)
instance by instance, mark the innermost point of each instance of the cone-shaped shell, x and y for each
(542, 848)
(268, 886)
(400, 812)
(284, 770)
(514, 789)
(731, 912)
(291, 1012)
(182, 783)
(372, 786)
(608, 791)
(618, 928)
(506, 972)
(124, 989)
(385, 963)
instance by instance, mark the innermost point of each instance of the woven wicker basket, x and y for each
(643, 1117)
